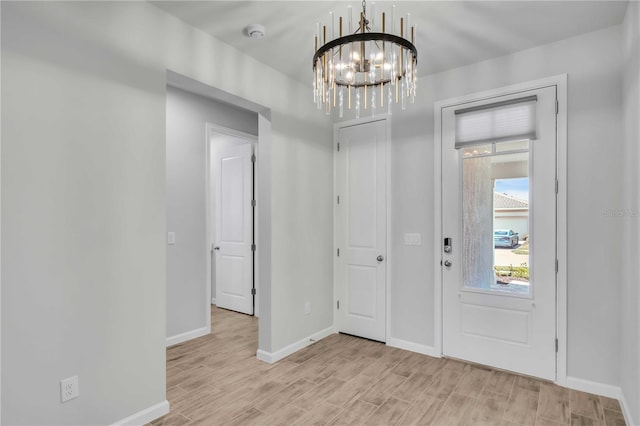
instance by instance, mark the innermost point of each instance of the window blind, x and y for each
(496, 122)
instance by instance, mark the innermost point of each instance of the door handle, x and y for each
(447, 263)
(380, 258)
(216, 248)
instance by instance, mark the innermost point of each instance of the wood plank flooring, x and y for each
(344, 380)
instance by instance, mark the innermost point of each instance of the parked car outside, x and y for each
(505, 238)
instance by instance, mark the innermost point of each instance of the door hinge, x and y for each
(338, 199)
(557, 106)
(557, 266)
(253, 158)
(338, 146)
(338, 252)
(557, 186)
(253, 247)
(253, 203)
(337, 304)
(253, 291)
(556, 345)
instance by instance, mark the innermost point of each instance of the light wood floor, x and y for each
(216, 379)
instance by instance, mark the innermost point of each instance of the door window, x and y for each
(495, 216)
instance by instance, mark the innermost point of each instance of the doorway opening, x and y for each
(189, 300)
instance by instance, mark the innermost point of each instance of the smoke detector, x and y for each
(255, 31)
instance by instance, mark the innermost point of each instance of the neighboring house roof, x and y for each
(504, 201)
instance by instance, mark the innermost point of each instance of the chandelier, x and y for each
(364, 69)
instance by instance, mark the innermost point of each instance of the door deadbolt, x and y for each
(447, 245)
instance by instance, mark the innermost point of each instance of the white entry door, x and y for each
(234, 227)
(498, 285)
(361, 222)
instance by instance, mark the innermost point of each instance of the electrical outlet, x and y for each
(307, 308)
(69, 389)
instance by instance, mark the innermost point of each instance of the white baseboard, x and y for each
(413, 347)
(593, 387)
(145, 416)
(213, 300)
(628, 418)
(183, 337)
(276, 356)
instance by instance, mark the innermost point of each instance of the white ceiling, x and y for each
(449, 33)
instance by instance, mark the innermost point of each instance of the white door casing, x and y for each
(361, 216)
(234, 227)
(508, 331)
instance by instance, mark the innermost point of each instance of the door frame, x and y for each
(560, 81)
(210, 219)
(388, 257)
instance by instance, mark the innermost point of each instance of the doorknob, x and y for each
(216, 248)
(447, 263)
(380, 258)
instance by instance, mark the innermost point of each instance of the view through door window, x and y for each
(496, 226)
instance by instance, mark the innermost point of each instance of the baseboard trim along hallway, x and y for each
(276, 356)
(145, 416)
(183, 337)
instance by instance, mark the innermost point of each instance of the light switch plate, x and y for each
(171, 238)
(412, 239)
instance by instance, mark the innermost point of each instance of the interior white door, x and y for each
(361, 222)
(234, 227)
(499, 305)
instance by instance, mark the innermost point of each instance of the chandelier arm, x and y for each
(353, 38)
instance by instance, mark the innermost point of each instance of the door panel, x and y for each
(361, 292)
(234, 228)
(499, 295)
(361, 230)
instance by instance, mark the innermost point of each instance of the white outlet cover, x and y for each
(412, 239)
(69, 389)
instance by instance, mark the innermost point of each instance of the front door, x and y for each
(361, 223)
(234, 227)
(499, 232)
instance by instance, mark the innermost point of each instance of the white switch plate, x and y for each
(69, 389)
(412, 239)
(307, 308)
(171, 238)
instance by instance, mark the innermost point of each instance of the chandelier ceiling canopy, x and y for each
(366, 66)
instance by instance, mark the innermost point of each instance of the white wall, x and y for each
(593, 64)
(83, 256)
(187, 115)
(630, 207)
(83, 202)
